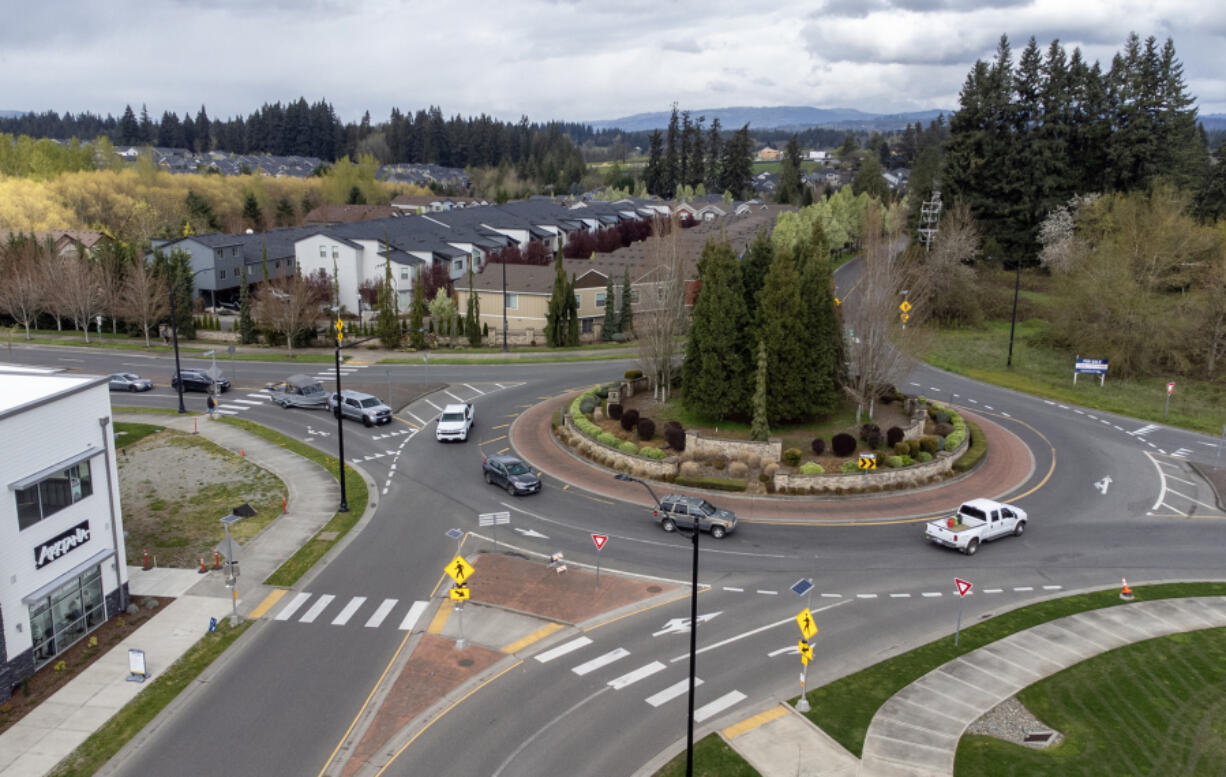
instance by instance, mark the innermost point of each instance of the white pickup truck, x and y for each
(455, 422)
(976, 522)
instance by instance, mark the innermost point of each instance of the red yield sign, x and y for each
(600, 540)
(964, 586)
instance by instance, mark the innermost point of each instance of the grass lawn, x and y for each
(712, 758)
(355, 492)
(129, 433)
(1154, 707)
(104, 743)
(845, 707)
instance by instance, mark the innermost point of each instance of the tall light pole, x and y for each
(504, 304)
(693, 536)
(1017, 285)
(174, 324)
(340, 428)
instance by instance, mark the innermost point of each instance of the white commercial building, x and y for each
(62, 568)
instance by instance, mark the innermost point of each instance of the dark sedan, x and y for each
(199, 380)
(512, 474)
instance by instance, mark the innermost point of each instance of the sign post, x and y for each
(1091, 367)
(599, 540)
(1170, 389)
(229, 549)
(495, 520)
(808, 630)
(964, 588)
(459, 570)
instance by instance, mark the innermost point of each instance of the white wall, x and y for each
(347, 264)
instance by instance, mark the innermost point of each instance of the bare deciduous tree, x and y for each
(661, 319)
(288, 305)
(951, 279)
(142, 298)
(76, 289)
(22, 292)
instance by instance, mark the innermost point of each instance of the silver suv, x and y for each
(366, 408)
(684, 511)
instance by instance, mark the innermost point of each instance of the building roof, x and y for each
(331, 214)
(23, 391)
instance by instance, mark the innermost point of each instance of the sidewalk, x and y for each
(35, 744)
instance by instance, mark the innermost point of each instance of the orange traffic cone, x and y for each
(1126, 594)
(242, 452)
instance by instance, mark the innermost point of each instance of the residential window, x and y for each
(52, 494)
(634, 296)
(221, 274)
(233, 252)
(276, 264)
(336, 252)
(512, 301)
(589, 326)
(459, 265)
(659, 294)
(323, 252)
(404, 273)
(289, 262)
(578, 300)
(600, 299)
(219, 253)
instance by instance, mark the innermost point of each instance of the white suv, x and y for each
(455, 422)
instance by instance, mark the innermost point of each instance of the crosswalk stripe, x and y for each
(226, 412)
(605, 660)
(320, 605)
(350, 609)
(672, 692)
(718, 706)
(381, 612)
(630, 678)
(246, 402)
(414, 614)
(563, 649)
(288, 610)
(259, 396)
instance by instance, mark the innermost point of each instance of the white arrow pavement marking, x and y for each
(682, 625)
(605, 660)
(563, 649)
(530, 533)
(1103, 485)
(711, 709)
(630, 678)
(751, 632)
(673, 691)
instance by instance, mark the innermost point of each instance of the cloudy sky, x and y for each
(557, 59)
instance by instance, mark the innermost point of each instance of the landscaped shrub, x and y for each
(944, 430)
(719, 484)
(608, 439)
(875, 440)
(913, 447)
(647, 428)
(764, 462)
(849, 467)
(818, 445)
(603, 392)
(674, 435)
(770, 469)
(894, 461)
(955, 439)
(928, 443)
(690, 469)
(555, 420)
(974, 453)
(630, 419)
(901, 448)
(811, 468)
(791, 456)
(843, 444)
(587, 427)
(717, 460)
(628, 447)
(893, 435)
(867, 429)
(614, 410)
(923, 456)
(587, 404)
(737, 469)
(652, 453)
(942, 417)
(633, 374)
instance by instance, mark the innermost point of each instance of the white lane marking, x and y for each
(415, 418)
(933, 388)
(781, 651)
(1182, 453)
(413, 615)
(737, 590)
(832, 596)
(929, 594)
(1117, 427)
(320, 605)
(1190, 499)
(1172, 509)
(1023, 588)
(347, 613)
(1048, 402)
(381, 612)
(900, 596)
(1080, 412)
(913, 383)
(453, 396)
(1181, 480)
(226, 412)
(1062, 407)
(1006, 415)
(719, 705)
(768, 593)
(288, 610)
(1144, 430)
(436, 407)
(630, 678)
(673, 691)
(758, 630)
(992, 590)
(499, 385)
(974, 401)
(1052, 587)
(563, 649)
(247, 402)
(1104, 421)
(64, 359)
(264, 397)
(866, 596)
(988, 407)
(596, 663)
(474, 388)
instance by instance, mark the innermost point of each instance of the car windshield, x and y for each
(516, 468)
(453, 417)
(707, 508)
(127, 376)
(370, 402)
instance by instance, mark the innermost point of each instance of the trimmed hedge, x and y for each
(791, 456)
(717, 484)
(587, 404)
(629, 419)
(923, 456)
(894, 435)
(976, 451)
(843, 444)
(812, 468)
(894, 462)
(606, 438)
(849, 467)
(629, 447)
(646, 428)
(633, 374)
(818, 445)
(674, 435)
(651, 453)
(614, 410)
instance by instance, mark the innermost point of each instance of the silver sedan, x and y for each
(127, 381)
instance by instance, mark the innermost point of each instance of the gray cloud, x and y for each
(684, 46)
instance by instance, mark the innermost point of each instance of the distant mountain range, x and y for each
(784, 117)
(11, 114)
(1214, 122)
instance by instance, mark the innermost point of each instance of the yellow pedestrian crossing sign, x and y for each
(837, 302)
(804, 619)
(460, 593)
(459, 570)
(905, 307)
(340, 330)
(806, 652)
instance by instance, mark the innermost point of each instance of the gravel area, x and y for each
(1011, 721)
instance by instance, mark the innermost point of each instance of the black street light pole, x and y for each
(1017, 284)
(693, 536)
(340, 428)
(174, 325)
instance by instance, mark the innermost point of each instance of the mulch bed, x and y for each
(46, 681)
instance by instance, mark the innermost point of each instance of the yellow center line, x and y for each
(500, 426)
(496, 439)
(504, 450)
(269, 602)
(532, 638)
(749, 724)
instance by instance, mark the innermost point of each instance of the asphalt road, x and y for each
(283, 700)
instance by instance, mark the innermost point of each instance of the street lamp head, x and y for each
(622, 476)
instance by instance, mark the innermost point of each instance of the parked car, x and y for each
(199, 380)
(227, 306)
(455, 422)
(298, 391)
(676, 511)
(976, 522)
(358, 406)
(129, 381)
(510, 473)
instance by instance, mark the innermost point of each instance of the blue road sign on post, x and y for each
(1090, 367)
(802, 586)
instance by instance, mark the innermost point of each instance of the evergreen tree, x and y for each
(609, 326)
(388, 327)
(760, 428)
(625, 321)
(571, 314)
(789, 174)
(285, 212)
(355, 196)
(781, 322)
(868, 179)
(736, 167)
(178, 267)
(147, 133)
(672, 154)
(555, 317)
(696, 166)
(473, 319)
(246, 326)
(252, 213)
(714, 156)
(129, 128)
(755, 263)
(417, 313)
(822, 331)
(715, 373)
(204, 138)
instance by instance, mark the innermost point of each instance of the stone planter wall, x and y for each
(656, 469)
(915, 429)
(706, 446)
(914, 475)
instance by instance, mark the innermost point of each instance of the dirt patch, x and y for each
(176, 487)
(46, 681)
(570, 597)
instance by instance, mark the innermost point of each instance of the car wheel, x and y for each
(488, 479)
(366, 422)
(668, 524)
(283, 403)
(972, 547)
(718, 532)
(131, 388)
(511, 489)
(1021, 527)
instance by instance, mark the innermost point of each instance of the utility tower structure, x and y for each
(930, 217)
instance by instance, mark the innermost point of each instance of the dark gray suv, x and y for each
(684, 511)
(510, 473)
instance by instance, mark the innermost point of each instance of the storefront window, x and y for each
(53, 493)
(65, 616)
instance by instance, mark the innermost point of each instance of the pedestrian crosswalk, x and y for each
(321, 606)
